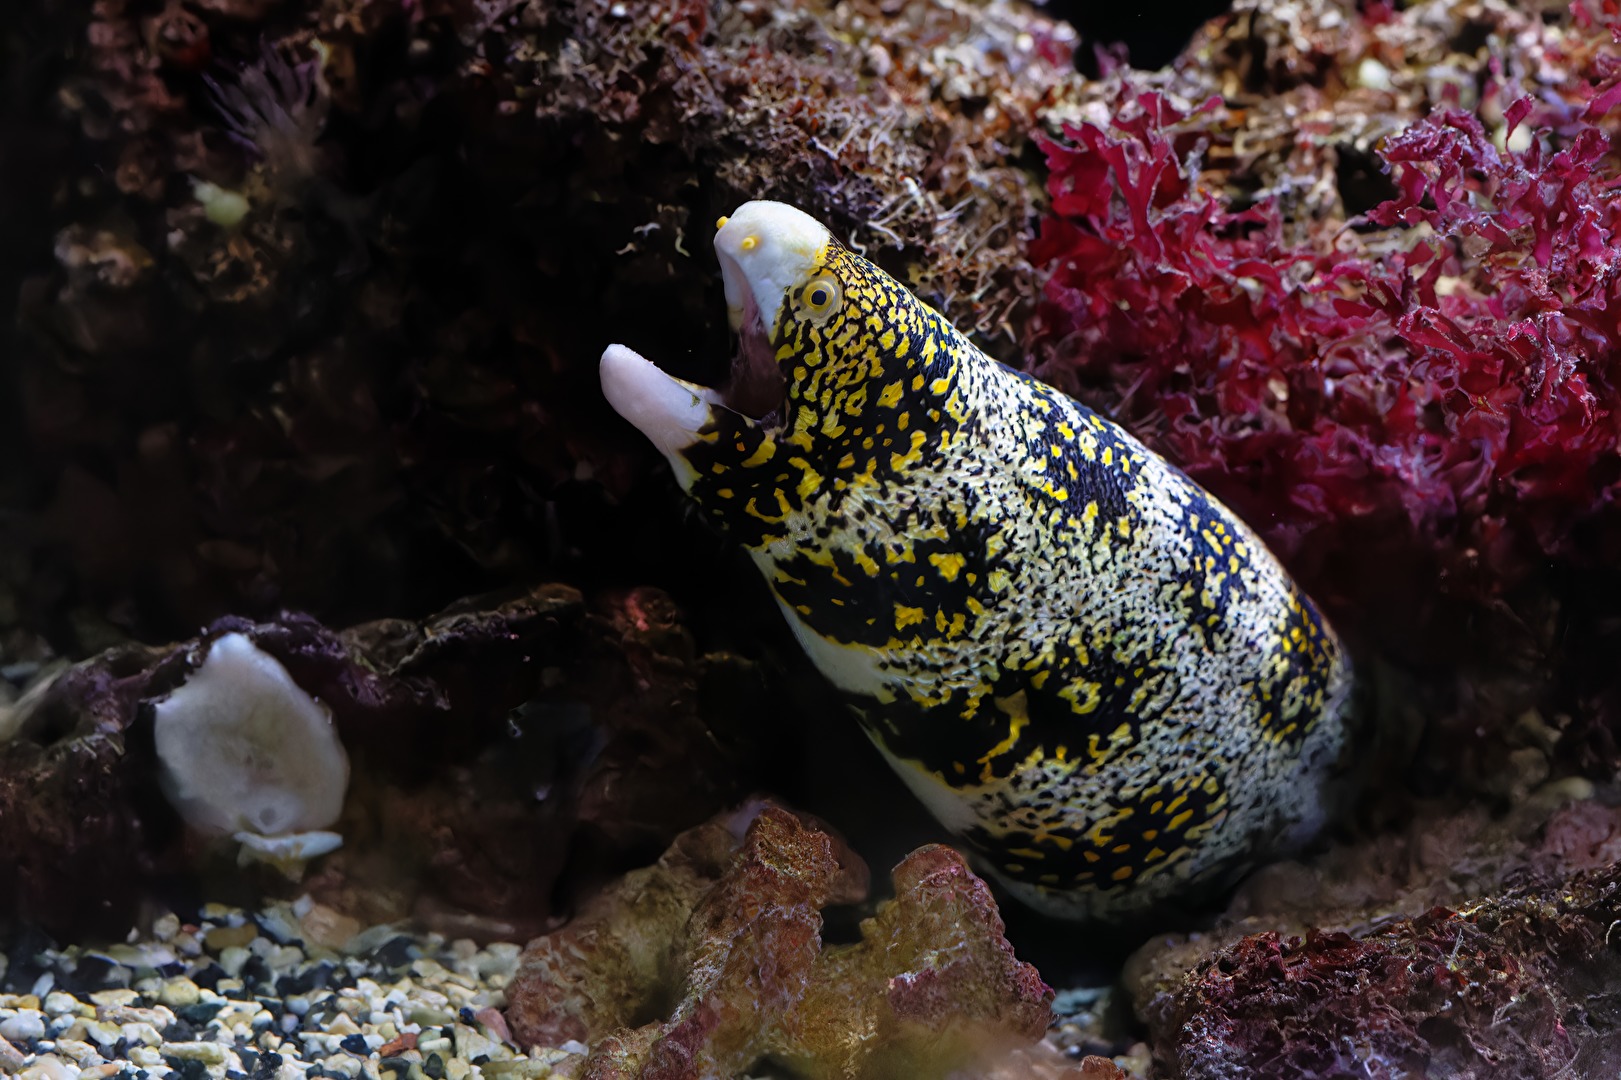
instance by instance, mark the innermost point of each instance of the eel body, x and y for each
(1080, 661)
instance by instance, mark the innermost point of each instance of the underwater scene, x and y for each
(810, 540)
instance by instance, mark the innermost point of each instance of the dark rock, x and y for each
(200, 1013)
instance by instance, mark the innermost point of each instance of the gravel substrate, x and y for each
(292, 991)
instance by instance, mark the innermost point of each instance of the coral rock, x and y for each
(732, 932)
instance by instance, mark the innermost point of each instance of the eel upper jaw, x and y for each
(766, 249)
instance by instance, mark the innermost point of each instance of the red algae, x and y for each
(1511, 987)
(1420, 394)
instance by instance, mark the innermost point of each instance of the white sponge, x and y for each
(243, 749)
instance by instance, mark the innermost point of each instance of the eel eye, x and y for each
(822, 297)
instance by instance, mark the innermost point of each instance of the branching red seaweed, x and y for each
(1426, 393)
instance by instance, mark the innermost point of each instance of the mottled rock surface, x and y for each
(486, 741)
(1517, 986)
(720, 945)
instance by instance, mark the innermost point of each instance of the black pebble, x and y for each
(180, 1031)
(90, 973)
(199, 1013)
(398, 1064)
(356, 1044)
(314, 977)
(395, 952)
(208, 977)
(187, 1068)
(265, 1067)
(468, 1018)
(255, 973)
(250, 1058)
(434, 1067)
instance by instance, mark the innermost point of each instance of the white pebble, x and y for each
(285, 958)
(158, 1017)
(60, 1004)
(27, 1024)
(209, 1053)
(141, 1033)
(49, 1067)
(145, 1056)
(81, 1052)
(115, 997)
(232, 960)
(178, 993)
(342, 1024)
(471, 1043)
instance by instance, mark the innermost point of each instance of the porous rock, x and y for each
(442, 818)
(729, 929)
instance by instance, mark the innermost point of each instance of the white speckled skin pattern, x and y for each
(1084, 664)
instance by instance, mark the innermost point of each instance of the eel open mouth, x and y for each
(671, 411)
(757, 387)
(765, 249)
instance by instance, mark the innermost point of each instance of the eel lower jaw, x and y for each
(672, 412)
(669, 411)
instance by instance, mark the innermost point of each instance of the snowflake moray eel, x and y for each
(1080, 661)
